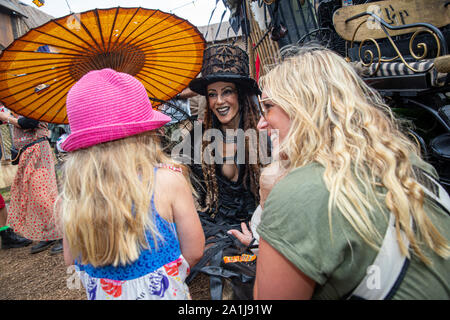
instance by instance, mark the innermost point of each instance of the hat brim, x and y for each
(84, 138)
(199, 85)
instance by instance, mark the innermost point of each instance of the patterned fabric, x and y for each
(225, 59)
(2, 202)
(158, 274)
(23, 137)
(224, 62)
(164, 283)
(34, 189)
(399, 69)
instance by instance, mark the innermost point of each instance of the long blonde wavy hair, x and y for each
(344, 125)
(101, 186)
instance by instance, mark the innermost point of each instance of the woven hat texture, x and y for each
(224, 63)
(106, 105)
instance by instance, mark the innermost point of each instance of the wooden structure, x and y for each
(221, 33)
(273, 24)
(16, 19)
(370, 30)
(260, 47)
(395, 13)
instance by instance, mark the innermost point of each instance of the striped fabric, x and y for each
(388, 69)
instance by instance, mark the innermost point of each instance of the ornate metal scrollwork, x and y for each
(369, 53)
(426, 28)
(423, 45)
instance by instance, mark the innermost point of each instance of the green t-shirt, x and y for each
(295, 222)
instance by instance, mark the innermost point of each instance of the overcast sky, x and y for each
(197, 12)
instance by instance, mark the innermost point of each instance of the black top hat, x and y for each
(224, 63)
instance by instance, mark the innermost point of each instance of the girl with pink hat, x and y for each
(129, 221)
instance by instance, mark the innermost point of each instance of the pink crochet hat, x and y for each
(106, 105)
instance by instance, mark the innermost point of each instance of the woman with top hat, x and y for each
(228, 177)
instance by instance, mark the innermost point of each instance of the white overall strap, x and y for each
(441, 197)
(388, 266)
(387, 271)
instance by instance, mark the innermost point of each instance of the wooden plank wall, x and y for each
(6, 32)
(266, 48)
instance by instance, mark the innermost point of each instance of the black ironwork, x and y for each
(297, 18)
(414, 99)
(405, 26)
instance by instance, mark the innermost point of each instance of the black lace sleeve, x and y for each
(27, 123)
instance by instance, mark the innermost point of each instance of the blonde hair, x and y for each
(344, 125)
(101, 186)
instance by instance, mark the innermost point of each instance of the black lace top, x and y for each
(236, 202)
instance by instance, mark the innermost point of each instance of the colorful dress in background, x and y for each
(34, 189)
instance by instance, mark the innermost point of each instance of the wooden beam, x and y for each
(394, 12)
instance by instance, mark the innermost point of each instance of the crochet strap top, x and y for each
(167, 250)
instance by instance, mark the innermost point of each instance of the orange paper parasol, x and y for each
(37, 70)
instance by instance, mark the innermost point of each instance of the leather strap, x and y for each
(32, 143)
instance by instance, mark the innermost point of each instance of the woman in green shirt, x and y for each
(353, 195)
